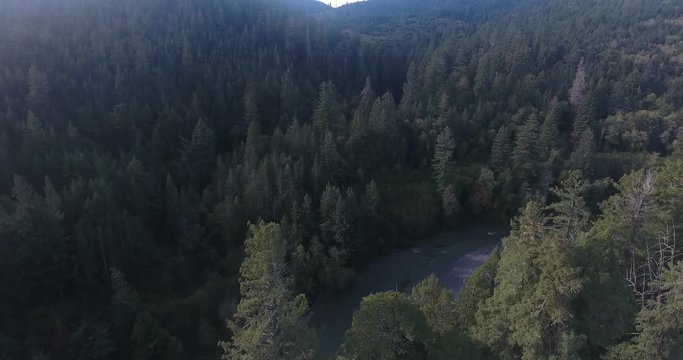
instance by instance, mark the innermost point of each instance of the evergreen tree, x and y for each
(270, 321)
(326, 115)
(199, 93)
(482, 196)
(402, 333)
(35, 239)
(569, 214)
(436, 303)
(36, 135)
(38, 89)
(200, 151)
(659, 324)
(443, 156)
(549, 135)
(331, 162)
(442, 115)
(501, 149)
(525, 153)
(384, 127)
(450, 205)
(529, 314)
(583, 121)
(582, 157)
(367, 99)
(578, 89)
(478, 287)
(91, 342)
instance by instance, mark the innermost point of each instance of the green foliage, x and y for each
(605, 308)
(478, 287)
(165, 126)
(581, 158)
(326, 115)
(270, 321)
(659, 325)
(91, 342)
(502, 146)
(152, 341)
(549, 135)
(569, 213)
(402, 334)
(32, 232)
(443, 156)
(200, 151)
(525, 153)
(436, 303)
(529, 314)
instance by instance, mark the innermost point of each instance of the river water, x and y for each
(451, 256)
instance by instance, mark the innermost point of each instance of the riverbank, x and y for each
(451, 256)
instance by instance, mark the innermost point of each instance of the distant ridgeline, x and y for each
(170, 165)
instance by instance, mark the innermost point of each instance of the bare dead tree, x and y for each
(644, 278)
(638, 199)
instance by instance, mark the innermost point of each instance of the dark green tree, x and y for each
(525, 152)
(501, 149)
(582, 157)
(443, 157)
(436, 303)
(477, 288)
(401, 335)
(200, 151)
(270, 321)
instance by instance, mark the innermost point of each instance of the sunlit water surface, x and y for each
(451, 256)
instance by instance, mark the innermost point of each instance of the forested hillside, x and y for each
(179, 179)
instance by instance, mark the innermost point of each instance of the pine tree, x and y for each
(36, 136)
(660, 324)
(407, 108)
(367, 99)
(482, 194)
(401, 334)
(200, 151)
(525, 152)
(549, 135)
(529, 314)
(38, 89)
(501, 149)
(450, 205)
(383, 124)
(35, 237)
(478, 287)
(326, 113)
(583, 120)
(443, 112)
(569, 214)
(270, 321)
(578, 89)
(359, 137)
(443, 155)
(289, 92)
(371, 198)
(330, 159)
(582, 157)
(328, 206)
(436, 303)
(251, 113)
(91, 342)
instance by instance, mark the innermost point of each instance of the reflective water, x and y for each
(451, 256)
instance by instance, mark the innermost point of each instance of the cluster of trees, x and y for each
(563, 285)
(139, 138)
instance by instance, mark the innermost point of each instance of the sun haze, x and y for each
(337, 3)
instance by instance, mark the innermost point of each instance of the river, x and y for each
(451, 256)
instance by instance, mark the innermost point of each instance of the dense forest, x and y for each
(181, 179)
